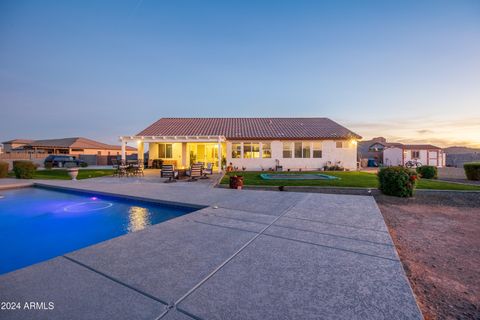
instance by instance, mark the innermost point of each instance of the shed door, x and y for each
(432, 158)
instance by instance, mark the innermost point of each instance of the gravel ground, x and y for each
(437, 236)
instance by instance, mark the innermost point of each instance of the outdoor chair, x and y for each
(207, 170)
(195, 171)
(169, 172)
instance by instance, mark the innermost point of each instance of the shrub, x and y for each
(24, 169)
(48, 165)
(472, 170)
(397, 181)
(83, 164)
(3, 169)
(428, 172)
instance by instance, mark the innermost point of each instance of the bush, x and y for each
(472, 170)
(3, 169)
(48, 165)
(83, 164)
(397, 181)
(428, 172)
(24, 169)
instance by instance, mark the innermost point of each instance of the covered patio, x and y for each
(180, 151)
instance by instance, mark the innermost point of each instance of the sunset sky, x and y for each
(405, 70)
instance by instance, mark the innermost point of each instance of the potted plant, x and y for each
(72, 170)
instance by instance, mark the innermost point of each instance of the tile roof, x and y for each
(250, 128)
(18, 141)
(412, 146)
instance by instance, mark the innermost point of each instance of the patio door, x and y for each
(207, 152)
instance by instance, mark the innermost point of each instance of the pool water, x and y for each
(297, 176)
(38, 224)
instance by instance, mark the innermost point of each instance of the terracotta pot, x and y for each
(236, 182)
(73, 173)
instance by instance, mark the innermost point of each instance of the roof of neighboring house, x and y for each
(251, 128)
(76, 143)
(412, 146)
(18, 141)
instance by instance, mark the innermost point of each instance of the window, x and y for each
(298, 149)
(266, 150)
(236, 150)
(415, 154)
(306, 150)
(251, 150)
(287, 149)
(317, 149)
(302, 149)
(99, 153)
(165, 150)
(340, 144)
(77, 150)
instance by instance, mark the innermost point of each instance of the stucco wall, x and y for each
(393, 157)
(347, 156)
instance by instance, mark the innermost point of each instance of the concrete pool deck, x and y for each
(244, 255)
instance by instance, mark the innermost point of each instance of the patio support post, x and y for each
(219, 156)
(124, 147)
(140, 150)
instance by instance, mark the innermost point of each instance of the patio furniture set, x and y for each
(129, 168)
(196, 171)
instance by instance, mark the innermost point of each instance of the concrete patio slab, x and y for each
(334, 229)
(76, 293)
(259, 254)
(354, 211)
(315, 282)
(167, 259)
(176, 315)
(386, 251)
(7, 183)
(229, 218)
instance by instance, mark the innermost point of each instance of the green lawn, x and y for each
(347, 179)
(63, 174)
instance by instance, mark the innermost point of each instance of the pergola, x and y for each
(141, 140)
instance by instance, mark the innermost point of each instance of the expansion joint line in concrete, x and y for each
(211, 274)
(116, 280)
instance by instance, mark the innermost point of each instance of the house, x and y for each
(73, 146)
(426, 154)
(250, 143)
(14, 144)
(377, 152)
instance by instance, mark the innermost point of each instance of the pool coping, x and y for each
(119, 196)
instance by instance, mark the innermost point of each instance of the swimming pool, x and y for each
(38, 224)
(297, 176)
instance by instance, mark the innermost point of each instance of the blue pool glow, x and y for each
(38, 224)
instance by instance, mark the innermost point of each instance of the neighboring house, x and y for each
(74, 146)
(250, 143)
(378, 152)
(11, 145)
(399, 154)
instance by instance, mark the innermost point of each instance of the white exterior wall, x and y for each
(347, 156)
(393, 157)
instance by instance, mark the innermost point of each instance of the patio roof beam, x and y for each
(173, 139)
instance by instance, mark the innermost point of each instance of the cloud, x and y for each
(424, 131)
(440, 131)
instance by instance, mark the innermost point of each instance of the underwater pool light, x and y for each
(88, 206)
